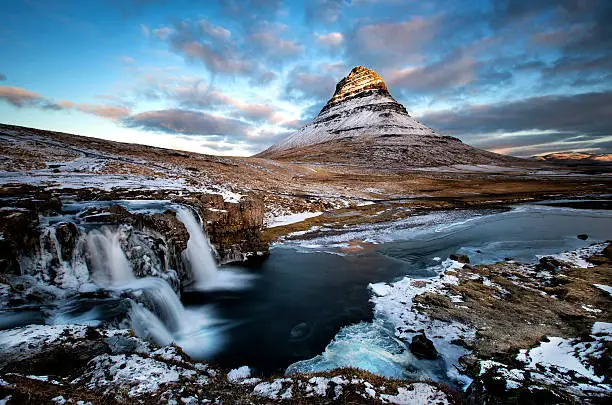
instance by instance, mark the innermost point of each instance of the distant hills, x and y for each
(577, 158)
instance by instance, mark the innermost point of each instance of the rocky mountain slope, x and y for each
(362, 124)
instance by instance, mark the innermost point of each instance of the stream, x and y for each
(285, 311)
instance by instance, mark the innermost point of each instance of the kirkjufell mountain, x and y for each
(362, 124)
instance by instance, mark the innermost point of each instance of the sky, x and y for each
(232, 77)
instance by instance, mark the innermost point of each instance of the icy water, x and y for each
(308, 290)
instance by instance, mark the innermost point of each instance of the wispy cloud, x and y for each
(22, 98)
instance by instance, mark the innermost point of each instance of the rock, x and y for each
(19, 235)
(583, 236)
(496, 384)
(607, 252)
(67, 235)
(460, 258)
(423, 348)
(550, 264)
(42, 364)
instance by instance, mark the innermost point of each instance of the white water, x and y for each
(198, 254)
(156, 311)
(110, 266)
(199, 257)
(368, 346)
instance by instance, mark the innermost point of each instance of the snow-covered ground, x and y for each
(288, 219)
(135, 371)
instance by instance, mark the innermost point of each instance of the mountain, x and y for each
(577, 158)
(362, 124)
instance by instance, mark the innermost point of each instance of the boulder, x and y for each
(423, 348)
(550, 264)
(583, 236)
(460, 258)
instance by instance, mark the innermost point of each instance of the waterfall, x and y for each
(161, 300)
(70, 273)
(115, 259)
(110, 266)
(158, 311)
(198, 255)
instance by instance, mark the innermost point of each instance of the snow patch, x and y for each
(238, 374)
(283, 220)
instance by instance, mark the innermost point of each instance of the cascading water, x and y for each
(199, 258)
(156, 311)
(110, 266)
(198, 254)
(111, 269)
(100, 270)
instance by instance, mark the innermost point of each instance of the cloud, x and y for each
(127, 60)
(178, 121)
(258, 113)
(391, 43)
(104, 111)
(194, 93)
(214, 31)
(269, 43)
(332, 39)
(21, 98)
(304, 84)
(508, 10)
(587, 115)
(246, 11)
(561, 36)
(162, 33)
(2, 77)
(216, 60)
(213, 46)
(145, 30)
(456, 70)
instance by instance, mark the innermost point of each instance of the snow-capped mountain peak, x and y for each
(359, 79)
(361, 106)
(362, 124)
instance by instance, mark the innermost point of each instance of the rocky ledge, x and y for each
(517, 333)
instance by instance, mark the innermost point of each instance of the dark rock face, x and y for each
(67, 235)
(234, 229)
(20, 235)
(583, 236)
(423, 348)
(460, 258)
